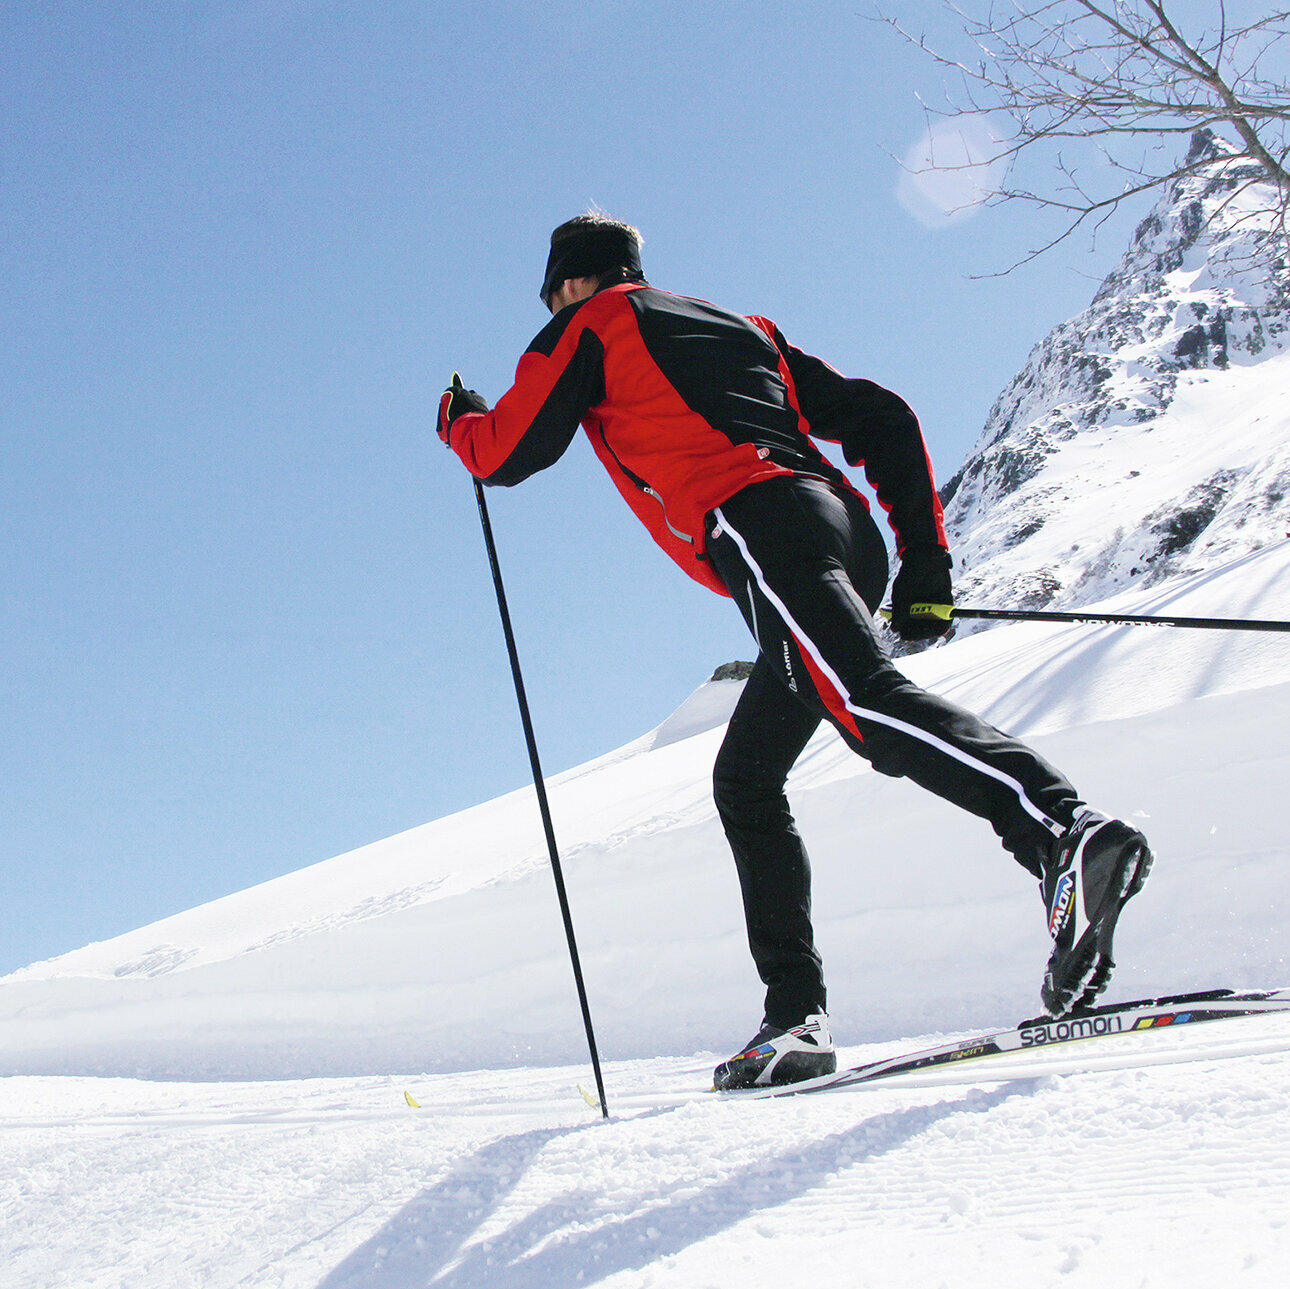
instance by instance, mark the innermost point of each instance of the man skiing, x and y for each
(704, 420)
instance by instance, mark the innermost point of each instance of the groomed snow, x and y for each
(218, 1100)
(1168, 1176)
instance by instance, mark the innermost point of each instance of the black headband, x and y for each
(589, 253)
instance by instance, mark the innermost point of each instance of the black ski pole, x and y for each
(1113, 619)
(540, 785)
(1118, 619)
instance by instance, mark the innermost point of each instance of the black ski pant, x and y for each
(806, 565)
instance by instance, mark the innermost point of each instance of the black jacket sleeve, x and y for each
(878, 430)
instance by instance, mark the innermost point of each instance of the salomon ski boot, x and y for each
(777, 1056)
(1094, 869)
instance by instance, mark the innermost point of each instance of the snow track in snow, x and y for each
(1152, 1176)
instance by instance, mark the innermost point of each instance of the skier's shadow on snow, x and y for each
(430, 1241)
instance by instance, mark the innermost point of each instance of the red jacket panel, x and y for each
(684, 404)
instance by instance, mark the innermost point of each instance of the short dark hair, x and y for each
(593, 245)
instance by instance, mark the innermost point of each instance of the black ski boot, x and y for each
(1094, 869)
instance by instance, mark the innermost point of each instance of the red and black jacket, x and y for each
(685, 404)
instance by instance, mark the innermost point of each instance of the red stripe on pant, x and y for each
(833, 699)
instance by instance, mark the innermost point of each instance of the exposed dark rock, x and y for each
(1203, 346)
(1028, 529)
(1179, 526)
(732, 671)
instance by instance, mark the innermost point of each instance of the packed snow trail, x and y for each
(1161, 1176)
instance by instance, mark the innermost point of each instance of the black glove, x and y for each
(456, 400)
(922, 596)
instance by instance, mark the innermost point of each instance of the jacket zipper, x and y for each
(649, 492)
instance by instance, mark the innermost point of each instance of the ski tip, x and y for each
(411, 1100)
(590, 1098)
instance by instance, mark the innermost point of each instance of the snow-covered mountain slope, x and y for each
(442, 948)
(1149, 436)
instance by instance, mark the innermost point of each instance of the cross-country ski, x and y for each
(1145, 1016)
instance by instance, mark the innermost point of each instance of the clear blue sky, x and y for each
(247, 620)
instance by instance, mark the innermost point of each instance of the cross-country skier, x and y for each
(704, 421)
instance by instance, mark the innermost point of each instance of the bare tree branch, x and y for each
(1108, 72)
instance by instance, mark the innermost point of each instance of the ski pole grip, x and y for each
(943, 611)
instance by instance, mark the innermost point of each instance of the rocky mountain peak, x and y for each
(1099, 466)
